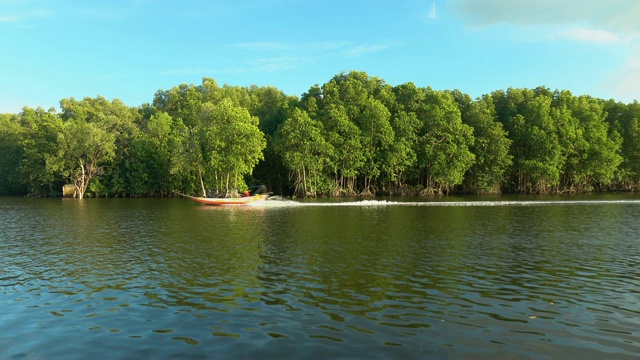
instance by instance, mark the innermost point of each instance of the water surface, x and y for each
(453, 278)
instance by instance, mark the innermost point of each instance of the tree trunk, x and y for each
(304, 180)
(81, 182)
(204, 191)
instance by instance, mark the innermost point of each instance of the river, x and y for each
(445, 278)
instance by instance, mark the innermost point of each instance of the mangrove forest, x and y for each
(355, 135)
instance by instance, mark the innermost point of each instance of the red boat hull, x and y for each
(248, 200)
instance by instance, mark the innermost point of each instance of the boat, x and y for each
(245, 200)
(258, 196)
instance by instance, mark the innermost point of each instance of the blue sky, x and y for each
(55, 49)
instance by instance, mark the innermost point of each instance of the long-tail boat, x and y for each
(258, 195)
(245, 200)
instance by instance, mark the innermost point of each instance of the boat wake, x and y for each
(382, 203)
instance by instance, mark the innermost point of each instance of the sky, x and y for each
(56, 49)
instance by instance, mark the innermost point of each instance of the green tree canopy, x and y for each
(304, 150)
(232, 143)
(491, 147)
(40, 145)
(83, 151)
(443, 142)
(353, 135)
(11, 154)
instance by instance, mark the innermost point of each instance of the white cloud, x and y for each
(615, 23)
(269, 46)
(104, 14)
(625, 83)
(595, 36)
(433, 13)
(280, 46)
(595, 21)
(252, 66)
(9, 18)
(315, 49)
(186, 71)
(361, 50)
(618, 16)
(276, 64)
(21, 12)
(273, 57)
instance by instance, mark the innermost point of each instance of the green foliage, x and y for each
(83, 149)
(355, 110)
(354, 135)
(231, 142)
(490, 147)
(624, 125)
(443, 142)
(591, 151)
(119, 122)
(402, 155)
(11, 154)
(304, 150)
(40, 145)
(346, 158)
(182, 102)
(536, 148)
(272, 108)
(148, 166)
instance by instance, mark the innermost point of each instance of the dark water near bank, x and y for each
(503, 278)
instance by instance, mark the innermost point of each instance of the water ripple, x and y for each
(319, 281)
